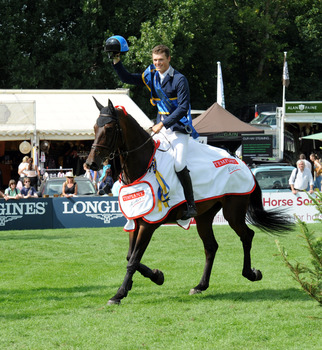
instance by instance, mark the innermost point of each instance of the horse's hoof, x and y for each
(114, 302)
(194, 291)
(159, 279)
(258, 274)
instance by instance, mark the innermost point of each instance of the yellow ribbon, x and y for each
(163, 190)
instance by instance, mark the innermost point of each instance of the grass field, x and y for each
(54, 285)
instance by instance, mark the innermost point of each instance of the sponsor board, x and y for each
(299, 205)
(48, 213)
(24, 214)
(87, 212)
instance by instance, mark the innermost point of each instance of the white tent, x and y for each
(58, 114)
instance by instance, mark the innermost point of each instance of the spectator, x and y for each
(90, 174)
(307, 163)
(301, 178)
(27, 191)
(12, 192)
(105, 167)
(32, 173)
(317, 167)
(107, 183)
(116, 188)
(69, 186)
(22, 170)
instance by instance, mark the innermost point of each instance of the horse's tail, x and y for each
(274, 221)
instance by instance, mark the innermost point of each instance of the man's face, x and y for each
(301, 166)
(161, 62)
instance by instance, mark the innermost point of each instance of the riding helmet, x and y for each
(116, 43)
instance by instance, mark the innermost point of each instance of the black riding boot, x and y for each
(185, 180)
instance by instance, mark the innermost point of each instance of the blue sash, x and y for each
(164, 103)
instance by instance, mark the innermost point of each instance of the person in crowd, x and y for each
(69, 186)
(90, 174)
(22, 169)
(116, 188)
(301, 178)
(170, 93)
(12, 192)
(107, 183)
(317, 167)
(106, 166)
(27, 191)
(307, 163)
(32, 173)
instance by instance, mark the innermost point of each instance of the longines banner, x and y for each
(45, 213)
(48, 213)
(87, 212)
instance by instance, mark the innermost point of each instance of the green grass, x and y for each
(54, 285)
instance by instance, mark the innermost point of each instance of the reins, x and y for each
(114, 142)
(114, 154)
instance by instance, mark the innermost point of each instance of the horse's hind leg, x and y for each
(236, 220)
(205, 231)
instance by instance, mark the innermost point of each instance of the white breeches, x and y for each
(179, 143)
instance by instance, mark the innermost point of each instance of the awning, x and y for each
(317, 136)
(59, 114)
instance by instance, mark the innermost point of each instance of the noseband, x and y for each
(113, 145)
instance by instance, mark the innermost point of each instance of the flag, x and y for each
(220, 87)
(286, 77)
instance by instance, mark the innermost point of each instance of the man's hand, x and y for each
(157, 127)
(116, 58)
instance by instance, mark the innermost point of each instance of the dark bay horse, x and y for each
(118, 135)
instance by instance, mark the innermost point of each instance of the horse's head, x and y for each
(118, 135)
(107, 135)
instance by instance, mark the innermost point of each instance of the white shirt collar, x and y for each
(163, 75)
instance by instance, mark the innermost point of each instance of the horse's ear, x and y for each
(111, 107)
(99, 106)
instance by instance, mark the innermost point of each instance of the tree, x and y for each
(54, 44)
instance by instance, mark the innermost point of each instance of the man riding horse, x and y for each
(170, 93)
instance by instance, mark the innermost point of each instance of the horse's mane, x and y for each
(134, 125)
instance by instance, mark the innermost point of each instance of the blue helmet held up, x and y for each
(116, 44)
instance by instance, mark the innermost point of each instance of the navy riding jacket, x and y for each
(175, 85)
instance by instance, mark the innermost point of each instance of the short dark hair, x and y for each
(161, 49)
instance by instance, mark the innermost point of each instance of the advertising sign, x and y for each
(26, 214)
(303, 107)
(49, 213)
(254, 146)
(290, 204)
(87, 212)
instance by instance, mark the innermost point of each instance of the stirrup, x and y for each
(189, 213)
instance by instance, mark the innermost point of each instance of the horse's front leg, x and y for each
(155, 275)
(141, 242)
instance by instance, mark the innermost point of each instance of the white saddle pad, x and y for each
(214, 173)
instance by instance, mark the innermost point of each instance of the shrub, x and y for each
(310, 278)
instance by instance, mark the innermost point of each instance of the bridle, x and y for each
(114, 142)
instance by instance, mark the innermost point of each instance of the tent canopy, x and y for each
(216, 122)
(59, 114)
(317, 136)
